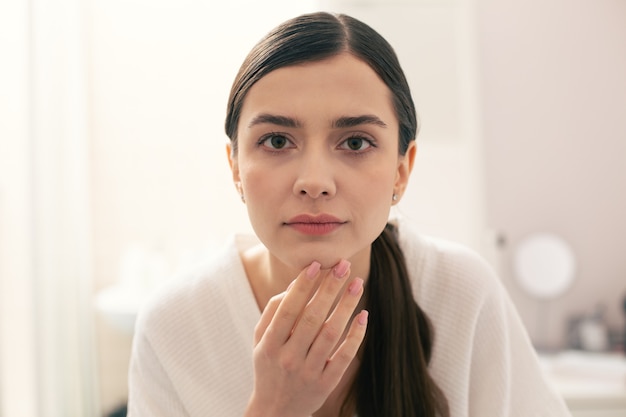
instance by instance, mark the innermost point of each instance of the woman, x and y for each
(333, 311)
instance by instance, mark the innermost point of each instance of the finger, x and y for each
(336, 326)
(340, 360)
(319, 308)
(267, 316)
(289, 309)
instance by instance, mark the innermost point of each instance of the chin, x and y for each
(330, 261)
(327, 260)
(328, 256)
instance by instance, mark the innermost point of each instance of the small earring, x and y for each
(394, 197)
(240, 191)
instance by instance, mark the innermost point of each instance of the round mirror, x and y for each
(544, 265)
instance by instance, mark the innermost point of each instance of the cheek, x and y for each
(378, 183)
(253, 177)
(263, 186)
(371, 196)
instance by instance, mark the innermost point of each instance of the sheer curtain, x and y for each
(46, 282)
(17, 359)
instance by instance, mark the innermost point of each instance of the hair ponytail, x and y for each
(393, 379)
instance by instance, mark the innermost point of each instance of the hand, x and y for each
(299, 354)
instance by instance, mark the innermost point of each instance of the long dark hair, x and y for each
(393, 378)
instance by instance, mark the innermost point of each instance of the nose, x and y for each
(315, 177)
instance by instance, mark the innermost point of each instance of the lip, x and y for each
(315, 225)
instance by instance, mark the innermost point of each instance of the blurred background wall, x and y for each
(553, 104)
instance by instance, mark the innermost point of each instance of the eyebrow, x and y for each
(273, 119)
(352, 121)
(340, 123)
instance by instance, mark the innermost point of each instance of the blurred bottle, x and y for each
(593, 332)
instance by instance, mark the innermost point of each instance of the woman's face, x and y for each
(318, 160)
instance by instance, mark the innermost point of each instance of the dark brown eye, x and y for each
(356, 143)
(278, 141)
(275, 141)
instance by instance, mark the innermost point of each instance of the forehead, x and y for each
(340, 85)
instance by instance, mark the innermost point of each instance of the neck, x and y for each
(269, 276)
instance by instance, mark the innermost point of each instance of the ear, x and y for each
(234, 166)
(405, 166)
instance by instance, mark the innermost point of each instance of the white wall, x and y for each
(554, 108)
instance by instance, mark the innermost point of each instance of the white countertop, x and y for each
(588, 380)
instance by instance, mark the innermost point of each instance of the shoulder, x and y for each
(195, 293)
(192, 338)
(482, 356)
(453, 284)
(439, 267)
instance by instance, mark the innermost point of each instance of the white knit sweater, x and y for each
(192, 352)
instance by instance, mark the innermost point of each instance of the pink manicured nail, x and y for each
(363, 317)
(313, 269)
(342, 268)
(355, 286)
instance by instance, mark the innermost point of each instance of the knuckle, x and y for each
(332, 288)
(276, 299)
(286, 316)
(258, 333)
(288, 363)
(344, 355)
(265, 351)
(311, 318)
(330, 333)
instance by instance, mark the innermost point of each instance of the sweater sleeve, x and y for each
(192, 346)
(482, 359)
(505, 375)
(151, 393)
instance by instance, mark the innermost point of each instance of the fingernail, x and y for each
(341, 268)
(313, 269)
(355, 286)
(363, 317)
